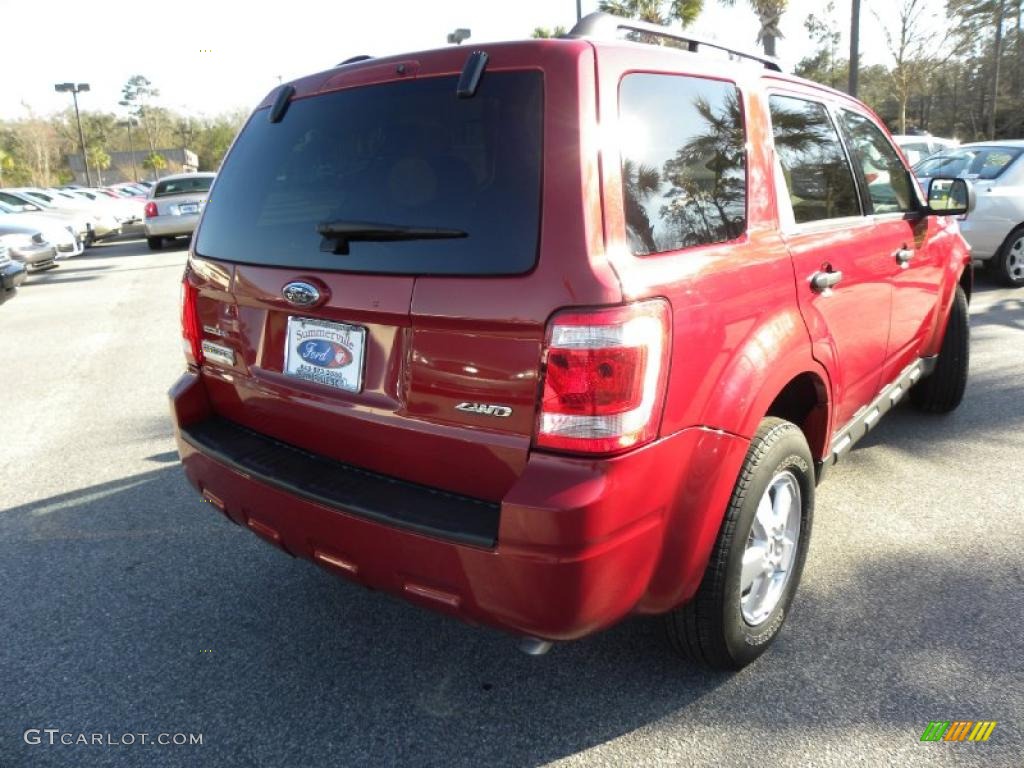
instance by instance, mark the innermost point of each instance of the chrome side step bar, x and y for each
(867, 417)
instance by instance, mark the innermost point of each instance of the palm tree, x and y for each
(653, 11)
(768, 12)
(639, 182)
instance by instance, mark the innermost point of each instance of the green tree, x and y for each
(99, 160)
(824, 30)
(214, 136)
(6, 164)
(154, 162)
(769, 14)
(138, 96)
(543, 32)
(655, 11)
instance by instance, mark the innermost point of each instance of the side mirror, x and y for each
(950, 197)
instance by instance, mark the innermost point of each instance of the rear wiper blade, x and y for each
(338, 234)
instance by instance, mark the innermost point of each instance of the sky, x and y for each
(219, 55)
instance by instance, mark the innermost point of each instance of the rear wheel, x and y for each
(759, 556)
(155, 243)
(943, 390)
(1008, 264)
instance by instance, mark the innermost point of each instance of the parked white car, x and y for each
(54, 230)
(19, 202)
(124, 209)
(917, 148)
(995, 228)
(102, 223)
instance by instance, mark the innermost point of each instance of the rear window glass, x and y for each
(408, 154)
(183, 186)
(969, 162)
(684, 179)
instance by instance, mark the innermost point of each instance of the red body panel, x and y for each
(582, 541)
(580, 544)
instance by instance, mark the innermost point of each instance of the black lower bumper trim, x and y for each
(347, 488)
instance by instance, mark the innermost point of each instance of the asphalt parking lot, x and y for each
(128, 606)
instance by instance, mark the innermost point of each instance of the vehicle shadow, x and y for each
(154, 613)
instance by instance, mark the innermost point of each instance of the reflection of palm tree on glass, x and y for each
(639, 182)
(708, 177)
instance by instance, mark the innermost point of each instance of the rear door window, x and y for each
(818, 177)
(684, 180)
(404, 155)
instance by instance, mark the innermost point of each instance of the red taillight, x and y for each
(604, 378)
(191, 337)
(150, 210)
(870, 177)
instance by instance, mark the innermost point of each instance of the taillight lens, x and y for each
(604, 378)
(150, 210)
(190, 334)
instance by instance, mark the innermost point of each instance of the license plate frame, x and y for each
(186, 209)
(331, 341)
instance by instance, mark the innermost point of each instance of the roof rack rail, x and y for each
(606, 26)
(353, 60)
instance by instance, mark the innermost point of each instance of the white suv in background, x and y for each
(917, 148)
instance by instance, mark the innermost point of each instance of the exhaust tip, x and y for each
(534, 646)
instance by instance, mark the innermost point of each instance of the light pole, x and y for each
(131, 147)
(854, 47)
(579, 9)
(75, 90)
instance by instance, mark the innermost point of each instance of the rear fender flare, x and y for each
(771, 357)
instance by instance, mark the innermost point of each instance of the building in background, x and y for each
(178, 161)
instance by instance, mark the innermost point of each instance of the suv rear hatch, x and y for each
(418, 216)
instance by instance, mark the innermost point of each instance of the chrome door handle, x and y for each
(824, 282)
(903, 256)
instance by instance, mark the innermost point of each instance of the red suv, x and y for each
(554, 332)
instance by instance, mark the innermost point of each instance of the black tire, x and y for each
(942, 391)
(1007, 266)
(155, 243)
(711, 628)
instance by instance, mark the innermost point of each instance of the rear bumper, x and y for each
(36, 257)
(12, 275)
(580, 543)
(171, 226)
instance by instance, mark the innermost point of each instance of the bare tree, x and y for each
(910, 44)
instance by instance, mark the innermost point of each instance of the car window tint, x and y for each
(969, 162)
(993, 162)
(183, 186)
(407, 154)
(888, 182)
(944, 165)
(818, 176)
(684, 178)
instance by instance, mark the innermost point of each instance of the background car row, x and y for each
(41, 226)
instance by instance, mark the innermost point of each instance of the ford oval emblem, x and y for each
(324, 353)
(301, 294)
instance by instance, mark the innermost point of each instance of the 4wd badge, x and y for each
(485, 409)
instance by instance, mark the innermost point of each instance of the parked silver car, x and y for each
(27, 245)
(79, 221)
(54, 229)
(995, 228)
(174, 205)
